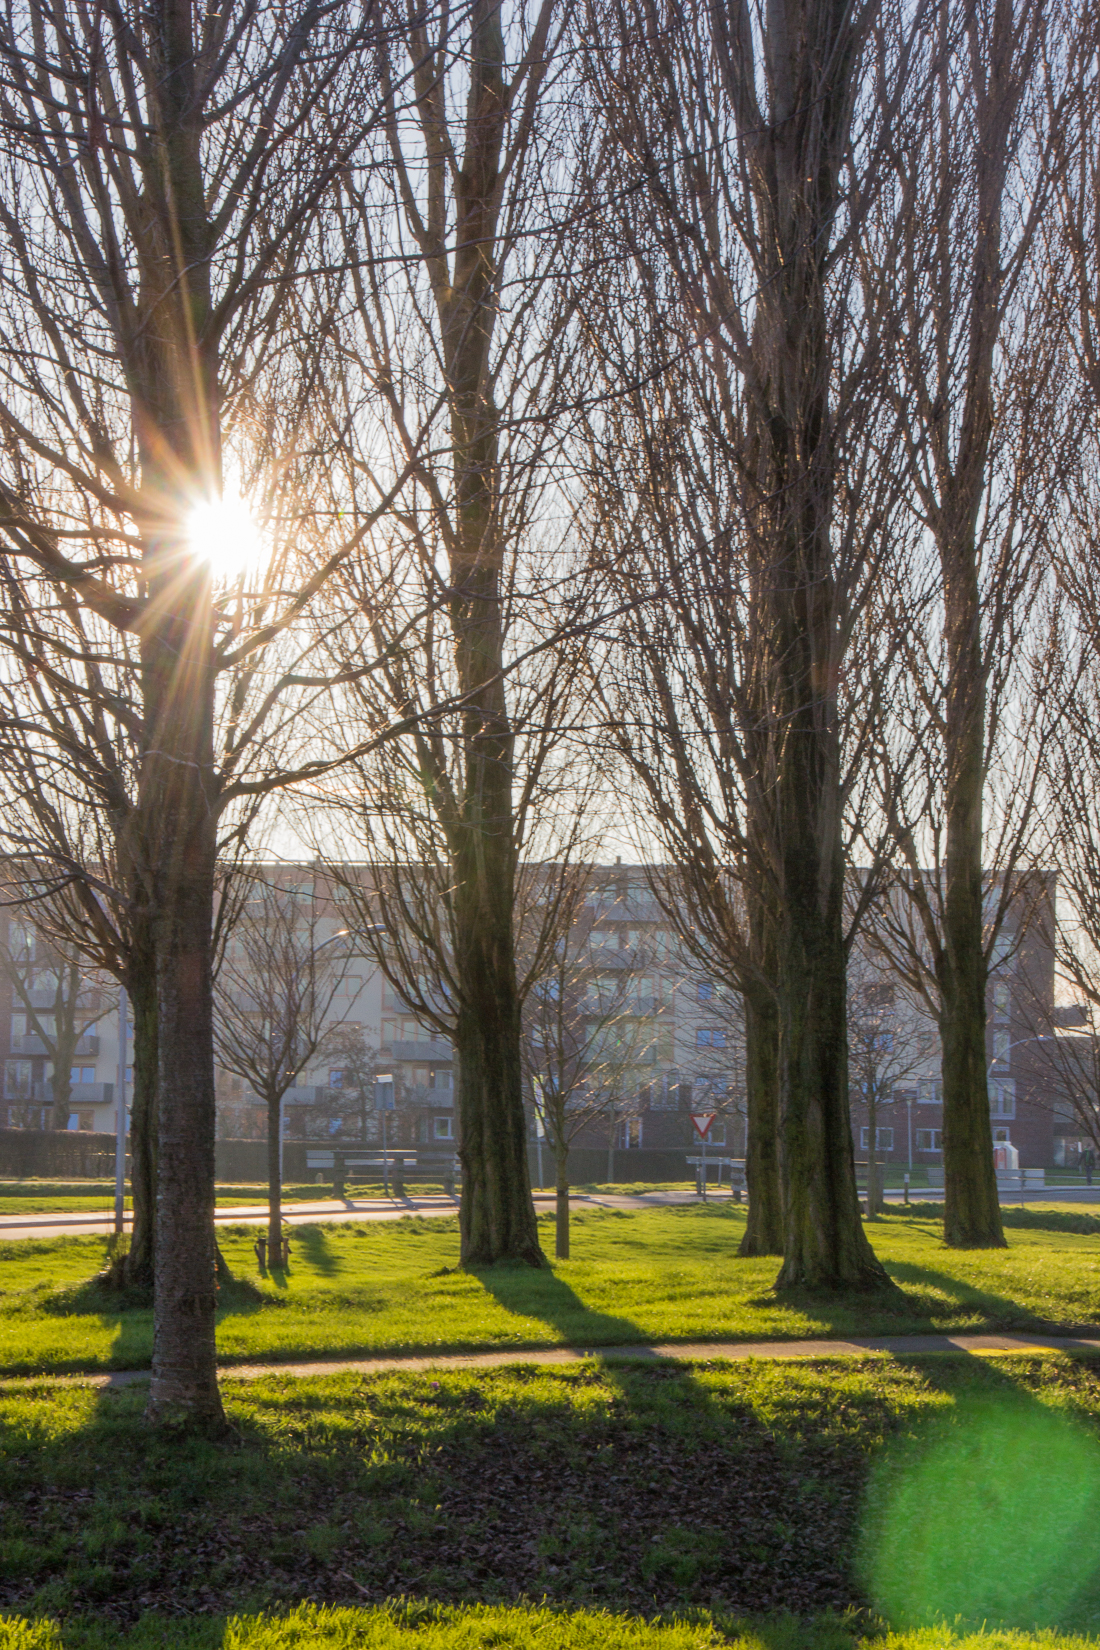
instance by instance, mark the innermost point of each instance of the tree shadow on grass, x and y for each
(317, 1251)
(539, 1293)
(998, 1311)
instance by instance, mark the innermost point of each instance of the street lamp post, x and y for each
(384, 1102)
(120, 1113)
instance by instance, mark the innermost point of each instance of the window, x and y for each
(1001, 1002)
(704, 991)
(665, 1044)
(443, 1128)
(17, 1079)
(441, 1079)
(82, 1074)
(882, 1042)
(18, 1027)
(630, 1132)
(82, 1120)
(1002, 1097)
(21, 941)
(336, 1079)
(929, 1140)
(710, 1037)
(884, 1139)
(1002, 945)
(717, 1135)
(1002, 1045)
(930, 1091)
(335, 1124)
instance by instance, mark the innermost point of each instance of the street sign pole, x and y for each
(701, 1122)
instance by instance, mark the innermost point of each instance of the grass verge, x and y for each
(741, 1490)
(412, 1626)
(666, 1274)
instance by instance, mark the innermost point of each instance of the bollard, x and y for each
(261, 1252)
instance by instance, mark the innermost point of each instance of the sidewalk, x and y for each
(93, 1224)
(979, 1346)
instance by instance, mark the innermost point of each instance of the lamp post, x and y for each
(384, 1102)
(120, 1112)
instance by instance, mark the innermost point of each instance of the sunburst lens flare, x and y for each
(223, 532)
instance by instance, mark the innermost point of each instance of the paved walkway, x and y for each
(981, 1346)
(65, 1224)
(92, 1224)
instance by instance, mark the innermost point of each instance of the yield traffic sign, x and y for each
(701, 1121)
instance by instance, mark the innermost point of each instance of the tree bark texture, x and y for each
(141, 985)
(794, 151)
(175, 378)
(972, 1215)
(497, 1218)
(764, 1225)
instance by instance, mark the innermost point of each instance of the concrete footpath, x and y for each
(65, 1224)
(901, 1346)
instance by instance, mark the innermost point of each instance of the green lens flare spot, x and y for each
(990, 1515)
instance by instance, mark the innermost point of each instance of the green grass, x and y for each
(492, 1627)
(648, 1275)
(713, 1493)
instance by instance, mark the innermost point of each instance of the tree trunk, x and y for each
(178, 804)
(972, 1215)
(497, 1218)
(764, 1226)
(561, 1207)
(142, 986)
(825, 1247)
(497, 1212)
(274, 1182)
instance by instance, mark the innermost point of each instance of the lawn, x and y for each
(663, 1274)
(713, 1493)
(492, 1627)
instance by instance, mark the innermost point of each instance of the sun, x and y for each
(224, 533)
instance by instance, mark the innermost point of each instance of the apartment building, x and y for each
(679, 1033)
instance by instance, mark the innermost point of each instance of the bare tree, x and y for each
(892, 1039)
(457, 331)
(976, 370)
(277, 981)
(164, 171)
(588, 1036)
(57, 1002)
(758, 500)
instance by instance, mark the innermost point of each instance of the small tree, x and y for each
(59, 1004)
(585, 1035)
(889, 1040)
(274, 994)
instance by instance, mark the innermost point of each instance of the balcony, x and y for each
(87, 1046)
(436, 1052)
(91, 1094)
(29, 1043)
